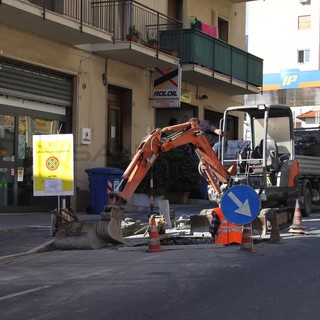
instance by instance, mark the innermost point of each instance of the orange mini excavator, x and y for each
(163, 140)
(159, 140)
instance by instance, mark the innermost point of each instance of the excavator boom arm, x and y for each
(163, 140)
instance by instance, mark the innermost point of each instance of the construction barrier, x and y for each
(297, 226)
(154, 245)
(246, 243)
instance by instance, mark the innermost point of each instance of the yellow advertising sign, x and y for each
(53, 165)
(186, 96)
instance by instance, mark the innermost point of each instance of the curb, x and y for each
(45, 247)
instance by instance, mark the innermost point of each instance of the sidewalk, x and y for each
(22, 233)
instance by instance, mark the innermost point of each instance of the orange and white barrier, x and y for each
(154, 245)
(297, 226)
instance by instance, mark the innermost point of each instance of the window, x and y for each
(303, 56)
(304, 22)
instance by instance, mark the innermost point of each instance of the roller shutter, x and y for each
(34, 83)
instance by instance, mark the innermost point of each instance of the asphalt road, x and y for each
(276, 281)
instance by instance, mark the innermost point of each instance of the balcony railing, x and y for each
(212, 53)
(127, 17)
(82, 11)
(115, 17)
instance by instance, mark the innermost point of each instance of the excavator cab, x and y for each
(264, 154)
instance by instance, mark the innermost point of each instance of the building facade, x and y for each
(70, 67)
(289, 46)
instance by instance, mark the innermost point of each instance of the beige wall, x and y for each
(207, 11)
(158, 5)
(237, 36)
(216, 101)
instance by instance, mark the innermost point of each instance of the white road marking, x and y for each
(9, 296)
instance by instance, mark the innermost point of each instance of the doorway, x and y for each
(119, 120)
(114, 123)
(216, 117)
(223, 27)
(171, 116)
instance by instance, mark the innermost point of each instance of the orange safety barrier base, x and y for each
(246, 243)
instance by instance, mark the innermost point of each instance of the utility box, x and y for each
(102, 181)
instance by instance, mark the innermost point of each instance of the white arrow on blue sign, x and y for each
(240, 204)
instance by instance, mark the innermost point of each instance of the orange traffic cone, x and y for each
(275, 231)
(297, 226)
(246, 243)
(154, 245)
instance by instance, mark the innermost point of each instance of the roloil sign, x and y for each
(166, 87)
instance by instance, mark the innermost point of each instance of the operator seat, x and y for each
(272, 159)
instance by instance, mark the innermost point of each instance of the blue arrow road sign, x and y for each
(240, 204)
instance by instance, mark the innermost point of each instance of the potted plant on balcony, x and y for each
(134, 34)
(153, 43)
(174, 50)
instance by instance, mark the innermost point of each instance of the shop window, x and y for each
(16, 159)
(29, 126)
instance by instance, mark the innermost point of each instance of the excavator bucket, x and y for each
(109, 227)
(199, 223)
(77, 235)
(85, 235)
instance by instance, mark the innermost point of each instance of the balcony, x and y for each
(214, 64)
(98, 26)
(136, 31)
(69, 21)
(104, 27)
